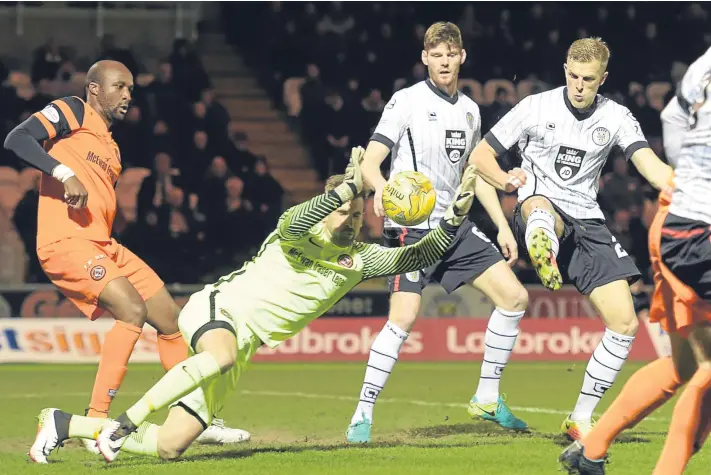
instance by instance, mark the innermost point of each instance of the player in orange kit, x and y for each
(77, 206)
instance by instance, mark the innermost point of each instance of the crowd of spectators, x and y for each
(353, 57)
(207, 202)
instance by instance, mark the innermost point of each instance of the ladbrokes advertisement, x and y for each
(73, 340)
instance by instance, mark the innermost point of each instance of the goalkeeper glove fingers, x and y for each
(464, 197)
(353, 183)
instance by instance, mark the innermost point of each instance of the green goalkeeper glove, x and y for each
(353, 183)
(464, 197)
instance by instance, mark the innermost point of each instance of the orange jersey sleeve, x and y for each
(79, 139)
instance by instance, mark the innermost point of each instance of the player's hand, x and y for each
(378, 207)
(353, 172)
(464, 197)
(517, 178)
(509, 247)
(75, 195)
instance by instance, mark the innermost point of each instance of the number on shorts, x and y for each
(618, 248)
(480, 234)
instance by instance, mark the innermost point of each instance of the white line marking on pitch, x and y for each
(329, 397)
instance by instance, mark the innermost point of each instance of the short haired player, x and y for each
(70, 141)
(431, 127)
(681, 260)
(565, 136)
(303, 268)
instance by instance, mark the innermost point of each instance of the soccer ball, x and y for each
(409, 198)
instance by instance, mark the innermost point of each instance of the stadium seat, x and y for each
(493, 84)
(129, 183)
(475, 86)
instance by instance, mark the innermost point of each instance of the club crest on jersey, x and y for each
(568, 161)
(413, 276)
(470, 120)
(345, 260)
(455, 143)
(601, 136)
(97, 272)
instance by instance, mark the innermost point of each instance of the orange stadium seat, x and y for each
(292, 97)
(129, 183)
(10, 193)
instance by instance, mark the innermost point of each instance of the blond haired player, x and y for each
(303, 268)
(565, 136)
(431, 128)
(680, 252)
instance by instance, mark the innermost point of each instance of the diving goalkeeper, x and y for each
(303, 268)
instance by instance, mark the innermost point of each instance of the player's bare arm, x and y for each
(373, 179)
(25, 141)
(652, 168)
(483, 157)
(489, 199)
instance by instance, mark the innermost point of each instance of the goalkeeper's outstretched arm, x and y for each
(381, 261)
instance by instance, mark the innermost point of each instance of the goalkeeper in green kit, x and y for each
(303, 268)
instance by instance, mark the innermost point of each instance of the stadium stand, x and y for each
(297, 94)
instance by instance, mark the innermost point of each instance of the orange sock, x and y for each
(113, 363)
(685, 423)
(647, 389)
(172, 349)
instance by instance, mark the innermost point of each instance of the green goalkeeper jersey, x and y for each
(298, 274)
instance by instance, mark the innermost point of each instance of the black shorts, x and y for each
(470, 254)
(589, 255)
(686, 251)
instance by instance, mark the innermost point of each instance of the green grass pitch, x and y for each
(298, 414)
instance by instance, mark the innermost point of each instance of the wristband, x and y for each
(62, 173)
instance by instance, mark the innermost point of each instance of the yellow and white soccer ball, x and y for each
(409, 198)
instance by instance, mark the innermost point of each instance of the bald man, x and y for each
(70, 141)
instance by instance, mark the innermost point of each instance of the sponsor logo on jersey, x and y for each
(601, 136)
(432, 116)
(391, 104)
(550, 126)
(51, 113)
(345, 260)
(470, 120)
(455, 143)
(568, 161)
(97, 272)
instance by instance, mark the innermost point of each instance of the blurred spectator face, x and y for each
(602, 13)
(443, 62)
(622, 219)
(260, 167)
(163, 163)
(537, 10)
(502, 95)
(335, 101)
(166, 72)
(554, 36)
(420, 31)
(218, 168)
(290, 27)
(207, 96)
(312, 71)
(620, 166)
(640, 100)
(200, 140)
(505, 16)
(386, 30)
(375, 95)
(234, 187)
(45, 87)
(133, 115)
(199, 109)
(175, 197)
(353, 84)
(310, 8)
(650, 31)
(161, 128)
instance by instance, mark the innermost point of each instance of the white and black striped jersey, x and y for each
(564, 149)
(432, 133)
(691, 198)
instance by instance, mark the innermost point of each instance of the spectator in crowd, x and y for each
(265, 194)
(47, 60)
